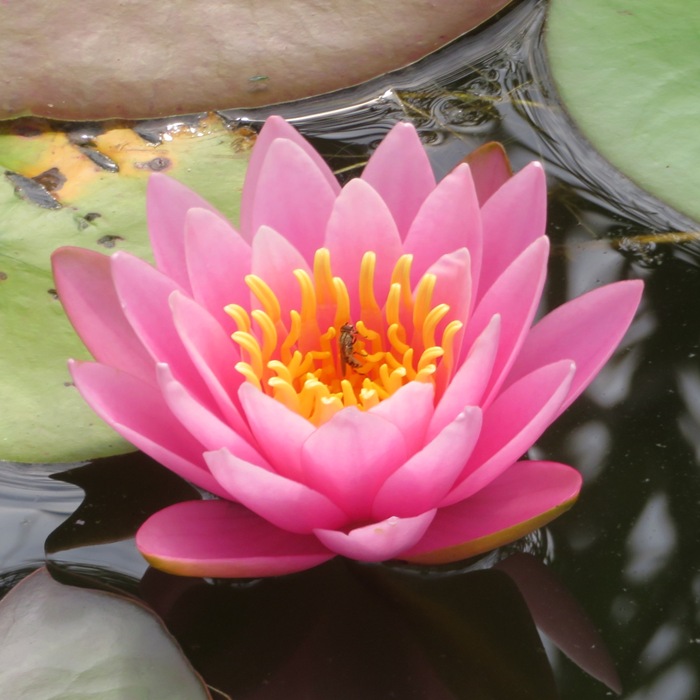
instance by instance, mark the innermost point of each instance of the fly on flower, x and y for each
(221, 361)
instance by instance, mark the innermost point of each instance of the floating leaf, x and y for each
(97, 61)
(55, 193)
(60, 643)
(627, 73)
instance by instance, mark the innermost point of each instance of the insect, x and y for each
(346, 346)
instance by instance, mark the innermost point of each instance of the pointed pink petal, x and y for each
(293, 197)
(223, 539)
(410, 410)
(214, 356)
(274, 261)
(285, 503)
(515, 297)
(85, 288)
(361, 222)
(490, 168)
(167, 203)
(448, 220)
(585, 330)
(399, 170)
(425, 479)
(275, 128)
(469, 382)
(379, 541)
(523, 499)
(137, 411)
(207, 428)
(513, 217)
(280, 432)
(144, 292)
(349, 457)
(512, 424)
(218, 260)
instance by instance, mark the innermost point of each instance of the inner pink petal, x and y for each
(399, 170)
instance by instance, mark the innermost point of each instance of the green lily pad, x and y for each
(97, 61)
(627, 72)
(54, 193)
(60, 643)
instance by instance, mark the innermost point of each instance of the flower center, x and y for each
(321, 362)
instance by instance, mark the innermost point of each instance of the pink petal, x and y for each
(523, 499)
(274, 261)
(137, 411)
(585, 330)
(293, 197)
(399, 170)
(490, 168)
(469, 382)
(214, 356)
(425, 479)
(275, 128)
(218, 260)
(515, 297)
(349, 457)
(513, 218)
(85, 288)
(410, 410)
(144, 292)
(379, 541)
(223, 539)
(448, 220)
(167, 203)
(207, 428)
(285, 503)
(280, 432)
(361, 222)
(512, 424)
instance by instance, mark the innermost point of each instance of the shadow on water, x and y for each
(629, 551)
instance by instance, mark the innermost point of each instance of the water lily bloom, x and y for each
(353, 371)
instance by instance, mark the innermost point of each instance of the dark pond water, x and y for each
(629, 551)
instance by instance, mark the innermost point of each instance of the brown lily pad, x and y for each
(96, 60)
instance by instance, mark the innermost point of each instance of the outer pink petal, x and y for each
(275, 128)
(490, 168)
(400, 171)
(144, 292)
(512, 424)
(214, 356)
(410, 410)
(469, 382)
(448, 220)
(526, 497)
(274, 261)
(285, 503)
(167, 203)
(349, 457)
(280, 432)
(425, 479)
(585, 330)
(515, 297)
(360, 222)
(218, 260)
(223, 539)
(137, 411)
(85, 288)
(379, 541)
(207, 428)
(293, 197)
(513, 217)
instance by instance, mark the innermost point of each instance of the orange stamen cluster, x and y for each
(307, 363)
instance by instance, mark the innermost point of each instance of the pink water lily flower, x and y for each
(353, 371)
